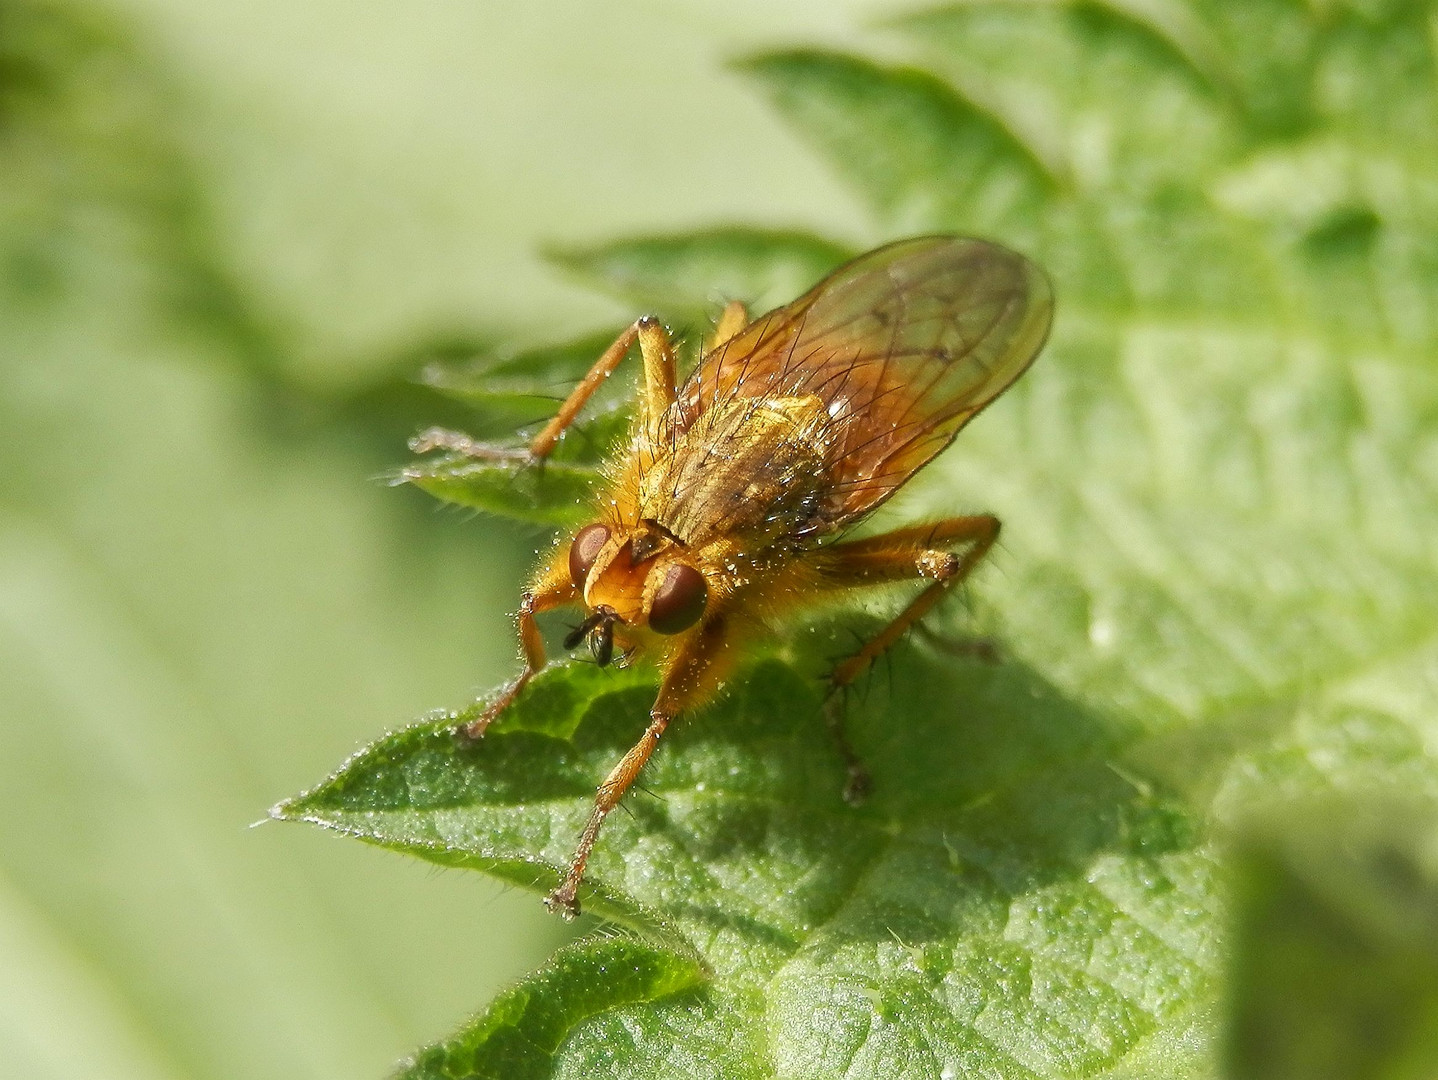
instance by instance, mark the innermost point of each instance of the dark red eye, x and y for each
(584, 550)
(680, 600)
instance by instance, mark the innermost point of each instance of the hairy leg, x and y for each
(550, 591)
(691, 675)
(657, 395)
(919, 551)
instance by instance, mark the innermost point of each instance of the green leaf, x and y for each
(960, 918)
(954, 160)
(520, 1035)
(1217, 592)
(1094, 90)
(693, 274)
(509, 388)
(549, 493)
(1335, 969)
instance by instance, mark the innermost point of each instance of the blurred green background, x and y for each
(221, 227)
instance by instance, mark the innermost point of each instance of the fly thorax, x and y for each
(750, 466)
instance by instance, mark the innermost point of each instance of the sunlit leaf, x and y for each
(694, 274)
(521, 1035)
(512, 388)
(917, 149)
(551, 493)
(1216, 591)
(1006, 879)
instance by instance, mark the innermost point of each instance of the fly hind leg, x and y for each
(920, 551)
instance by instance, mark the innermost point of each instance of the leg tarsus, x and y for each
(457, 442)
(473, 731)
(858, 782)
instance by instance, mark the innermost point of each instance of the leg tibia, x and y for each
(690, 675)
(658, 393)
(565, 899)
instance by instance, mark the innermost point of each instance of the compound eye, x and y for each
(584, 550)
(679, 601)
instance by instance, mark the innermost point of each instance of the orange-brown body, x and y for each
(729, 504)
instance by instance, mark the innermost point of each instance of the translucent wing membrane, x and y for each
(902, 347)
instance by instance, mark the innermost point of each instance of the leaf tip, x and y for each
(558, 253)
(764, 62)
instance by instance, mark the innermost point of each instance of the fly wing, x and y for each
(902, 346)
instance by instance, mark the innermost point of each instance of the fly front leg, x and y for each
(659, 382)
(920, 551)
(552, 590)
(690, 676)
